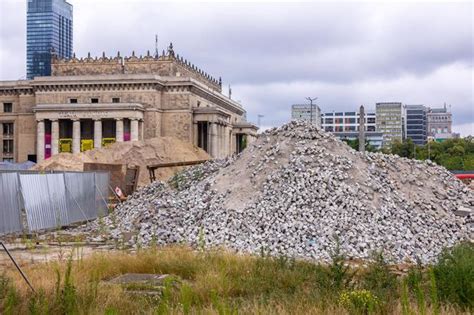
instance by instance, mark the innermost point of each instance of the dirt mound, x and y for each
(139, 153)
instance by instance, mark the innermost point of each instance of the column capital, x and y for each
(118, 119)
(75, 119)
(53, 119)
(40, 120)
(97, 119)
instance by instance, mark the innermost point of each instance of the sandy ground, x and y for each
(137, 153)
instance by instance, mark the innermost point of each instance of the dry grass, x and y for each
(215, 282)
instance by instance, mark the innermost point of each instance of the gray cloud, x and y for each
(275, 54)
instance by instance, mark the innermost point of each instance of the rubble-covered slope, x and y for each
(296, 190)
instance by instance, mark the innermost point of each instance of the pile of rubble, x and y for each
(296, 191)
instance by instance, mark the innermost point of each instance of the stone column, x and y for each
(97, 133)
(195, 134)
(214, 143)
(134, 129)
(54, 136)
(226, 141)
(76, 136)
(39, 141)
(119, 130)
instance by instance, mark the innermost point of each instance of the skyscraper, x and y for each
(48, 31)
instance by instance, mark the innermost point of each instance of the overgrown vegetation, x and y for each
(219, 282)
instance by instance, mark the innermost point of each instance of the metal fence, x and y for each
(45, 201)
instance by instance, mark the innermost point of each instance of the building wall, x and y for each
(390, 121)
(24, 126)
(439, 122)
(347, 121)
(303, 112)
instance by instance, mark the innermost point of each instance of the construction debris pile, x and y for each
(136, 153)
(294, 192)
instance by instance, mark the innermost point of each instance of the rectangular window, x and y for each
(8, 146)
(7, 107)
(8, 160)
(7, 129)
(117, 100)
(73, 100)
(94, 100)
(328, 120)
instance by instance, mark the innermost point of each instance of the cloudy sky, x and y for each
(275, 54)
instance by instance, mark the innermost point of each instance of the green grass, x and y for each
(219, 282)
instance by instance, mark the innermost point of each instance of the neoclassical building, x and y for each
(89, 102)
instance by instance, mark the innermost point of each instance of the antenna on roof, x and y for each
(156, 46)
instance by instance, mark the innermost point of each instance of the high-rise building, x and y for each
(48, 31)
(416, 123)
(390, 121)
(305, 112)
(439, 123)
(345, 126)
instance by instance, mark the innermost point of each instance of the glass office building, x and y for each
(48, 31)
(416, 123)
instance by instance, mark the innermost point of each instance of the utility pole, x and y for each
(361, 129)
(429, 150)
(311, 99)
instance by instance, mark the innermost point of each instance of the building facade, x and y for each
(345, 125)
(390, 121)
(439, 121)
(416, 123)
(305, 112)
(88, 103)
(48, 32)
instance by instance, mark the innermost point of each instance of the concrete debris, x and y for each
(296, 190)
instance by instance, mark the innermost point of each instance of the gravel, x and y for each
(294, 192)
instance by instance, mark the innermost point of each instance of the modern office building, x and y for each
(390, 121)
(305, 112)
(48, 32)
(347, 121)
(439, 123)
(90, 102)
(345, 125)
(416, 123)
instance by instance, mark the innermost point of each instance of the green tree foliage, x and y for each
(355, 145)
(454, 154)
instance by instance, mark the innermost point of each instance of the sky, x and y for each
(275, 54)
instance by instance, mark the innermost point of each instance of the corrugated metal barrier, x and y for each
(51, 200)
(10, 219)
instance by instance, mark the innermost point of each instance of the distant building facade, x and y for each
(48, 32)
(88, 103)
(390, 121)
(416, 123)
(345, 125)
(439, 123)
(305, 112)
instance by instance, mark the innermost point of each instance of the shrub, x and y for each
(359, 301)
(379, 279)
(454, 275)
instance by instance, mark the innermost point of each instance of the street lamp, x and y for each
(311, 99)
